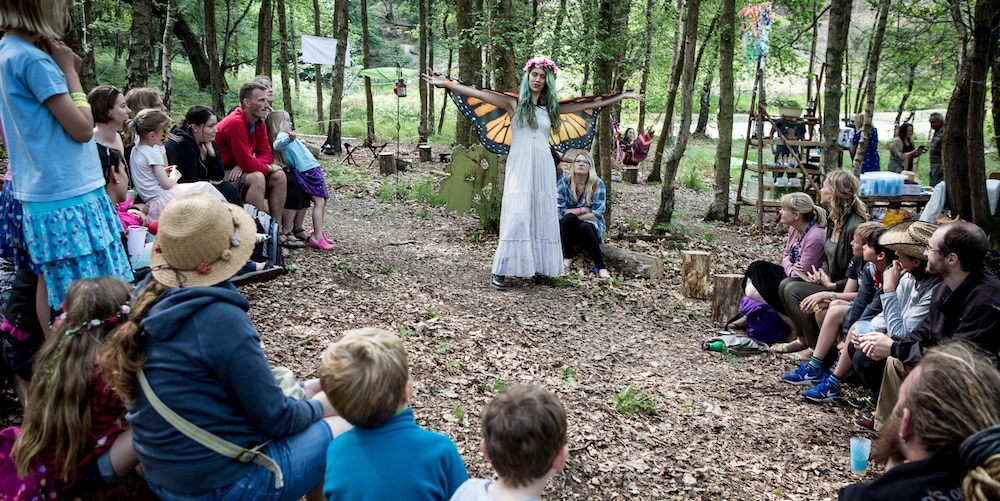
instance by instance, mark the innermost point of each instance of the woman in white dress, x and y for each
(529, 219)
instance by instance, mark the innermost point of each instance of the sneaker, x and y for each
(823, 392)
(803, 375)
(865, 402)
(867, 420)
(320, 243)
(498, 282)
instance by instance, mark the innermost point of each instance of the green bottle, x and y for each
(717, 346)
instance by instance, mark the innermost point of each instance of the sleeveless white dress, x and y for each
(529, 217)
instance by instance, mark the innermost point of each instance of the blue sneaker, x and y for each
(823, 392)
(803, 375)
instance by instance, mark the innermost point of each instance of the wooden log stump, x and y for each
(696, 269)
(387, 163)
(632, 263)
(631, 175)
(727, 290)
(425, 152)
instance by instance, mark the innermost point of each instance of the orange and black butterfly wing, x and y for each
(576, 130)
(492, 122)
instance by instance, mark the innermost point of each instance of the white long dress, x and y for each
(529, 217)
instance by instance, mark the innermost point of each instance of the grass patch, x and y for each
(453, 367)
(568, 374)
(631, 401)
(442, 348)
(563, 282)
(497, 386)
(406, 332)
(432, 314)
(458, 412)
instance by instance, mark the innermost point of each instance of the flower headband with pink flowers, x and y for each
(542, 62)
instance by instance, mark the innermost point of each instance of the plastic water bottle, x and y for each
(717, 346)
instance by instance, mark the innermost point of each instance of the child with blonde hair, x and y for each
(524, 438)
(155, 181)
(74, 421)
(288, 150)
(367, 379)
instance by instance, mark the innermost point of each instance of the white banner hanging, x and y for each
(320, 50)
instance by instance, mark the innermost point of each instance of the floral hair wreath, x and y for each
(542, 62)
(73, 328)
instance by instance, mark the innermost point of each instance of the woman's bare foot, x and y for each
(792, 347)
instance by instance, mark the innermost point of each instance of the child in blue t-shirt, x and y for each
(294, 155)
(524, 438)
(386, 455)
(70, 227)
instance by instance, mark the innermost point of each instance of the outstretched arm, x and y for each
(580, 106)
(495, 98)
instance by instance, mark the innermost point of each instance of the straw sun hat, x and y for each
(201, 241)
(910, 238)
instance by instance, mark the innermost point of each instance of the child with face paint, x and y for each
(155, 181)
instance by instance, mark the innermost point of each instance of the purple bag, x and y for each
(38, 485)
(763, 323)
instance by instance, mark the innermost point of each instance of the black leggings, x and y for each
(577, 233)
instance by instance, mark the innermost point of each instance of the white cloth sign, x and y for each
(320, 50)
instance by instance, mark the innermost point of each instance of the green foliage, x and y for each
(709, 237)
(475, 237)
(568, 374)
(406, 332)
(691, 180)
(453, 366)
(426, 191)
(442, 348)
(631, 400)
(487, 206)
(343, 266)
(564, 281)
(432, 314)
(458, 412)
(392, 190)
(497, 386)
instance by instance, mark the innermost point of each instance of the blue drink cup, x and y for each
(860, 448)
(862, 327)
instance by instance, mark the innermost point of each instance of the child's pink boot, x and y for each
(320, 243)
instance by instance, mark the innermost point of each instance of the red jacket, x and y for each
(239, 147)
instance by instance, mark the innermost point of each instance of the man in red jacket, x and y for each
(246, 153)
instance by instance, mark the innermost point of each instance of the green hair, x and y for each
(525, 111)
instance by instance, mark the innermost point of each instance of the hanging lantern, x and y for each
(400, 89)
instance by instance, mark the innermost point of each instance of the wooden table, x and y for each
(910, 202)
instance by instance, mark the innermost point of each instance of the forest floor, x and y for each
(708, 426)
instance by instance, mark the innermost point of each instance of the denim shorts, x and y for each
(302, 458)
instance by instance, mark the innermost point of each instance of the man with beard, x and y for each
(965, 306)
(943, 436)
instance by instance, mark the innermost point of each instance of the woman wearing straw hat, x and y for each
(190, 336)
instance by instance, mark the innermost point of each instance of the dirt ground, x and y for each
(717, 427)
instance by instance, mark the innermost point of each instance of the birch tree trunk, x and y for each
(874, 53)
(216, 78)
(167, 46)
(340, 28)
(836, 44)
(286, 81)
(719, 209)
(318, 72)
(139, 52)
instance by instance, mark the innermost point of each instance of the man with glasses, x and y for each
(965, 305)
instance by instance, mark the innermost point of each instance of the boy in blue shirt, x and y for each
(524, 438)
(386, 455)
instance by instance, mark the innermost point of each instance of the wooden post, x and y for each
(631, 175)
(425, 152)
(727, 291)
(387, 163)
(696, 270)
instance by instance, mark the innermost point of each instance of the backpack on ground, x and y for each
(733, 343)
(267, 252)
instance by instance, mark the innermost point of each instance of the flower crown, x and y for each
(75, 327)
(542, 62)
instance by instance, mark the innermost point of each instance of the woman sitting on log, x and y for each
(582, 202)
(803, 252)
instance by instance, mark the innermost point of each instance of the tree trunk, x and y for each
(430, 62)
(75, 41)
(167, 47)
(963, 37)
(423, 132)
(88, 71)
(286, 81)
(612, 20)
(665, 211)
(707, 90)
(646, 61)
(340, 28)
(470, 63)
(995, 99)
(318, 72)
(876, 50)
(963, 142)
(139, 52)
(216, 79)
(666, 133)
(447, 71)
(910, 80)
(836, 44)
(555, 50)
(719, 210)
(293, 36)
(367, 61)
(504, 54)
(118, 32)
(265, 29)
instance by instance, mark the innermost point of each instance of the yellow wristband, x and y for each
(81, 103)
(77, 95)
